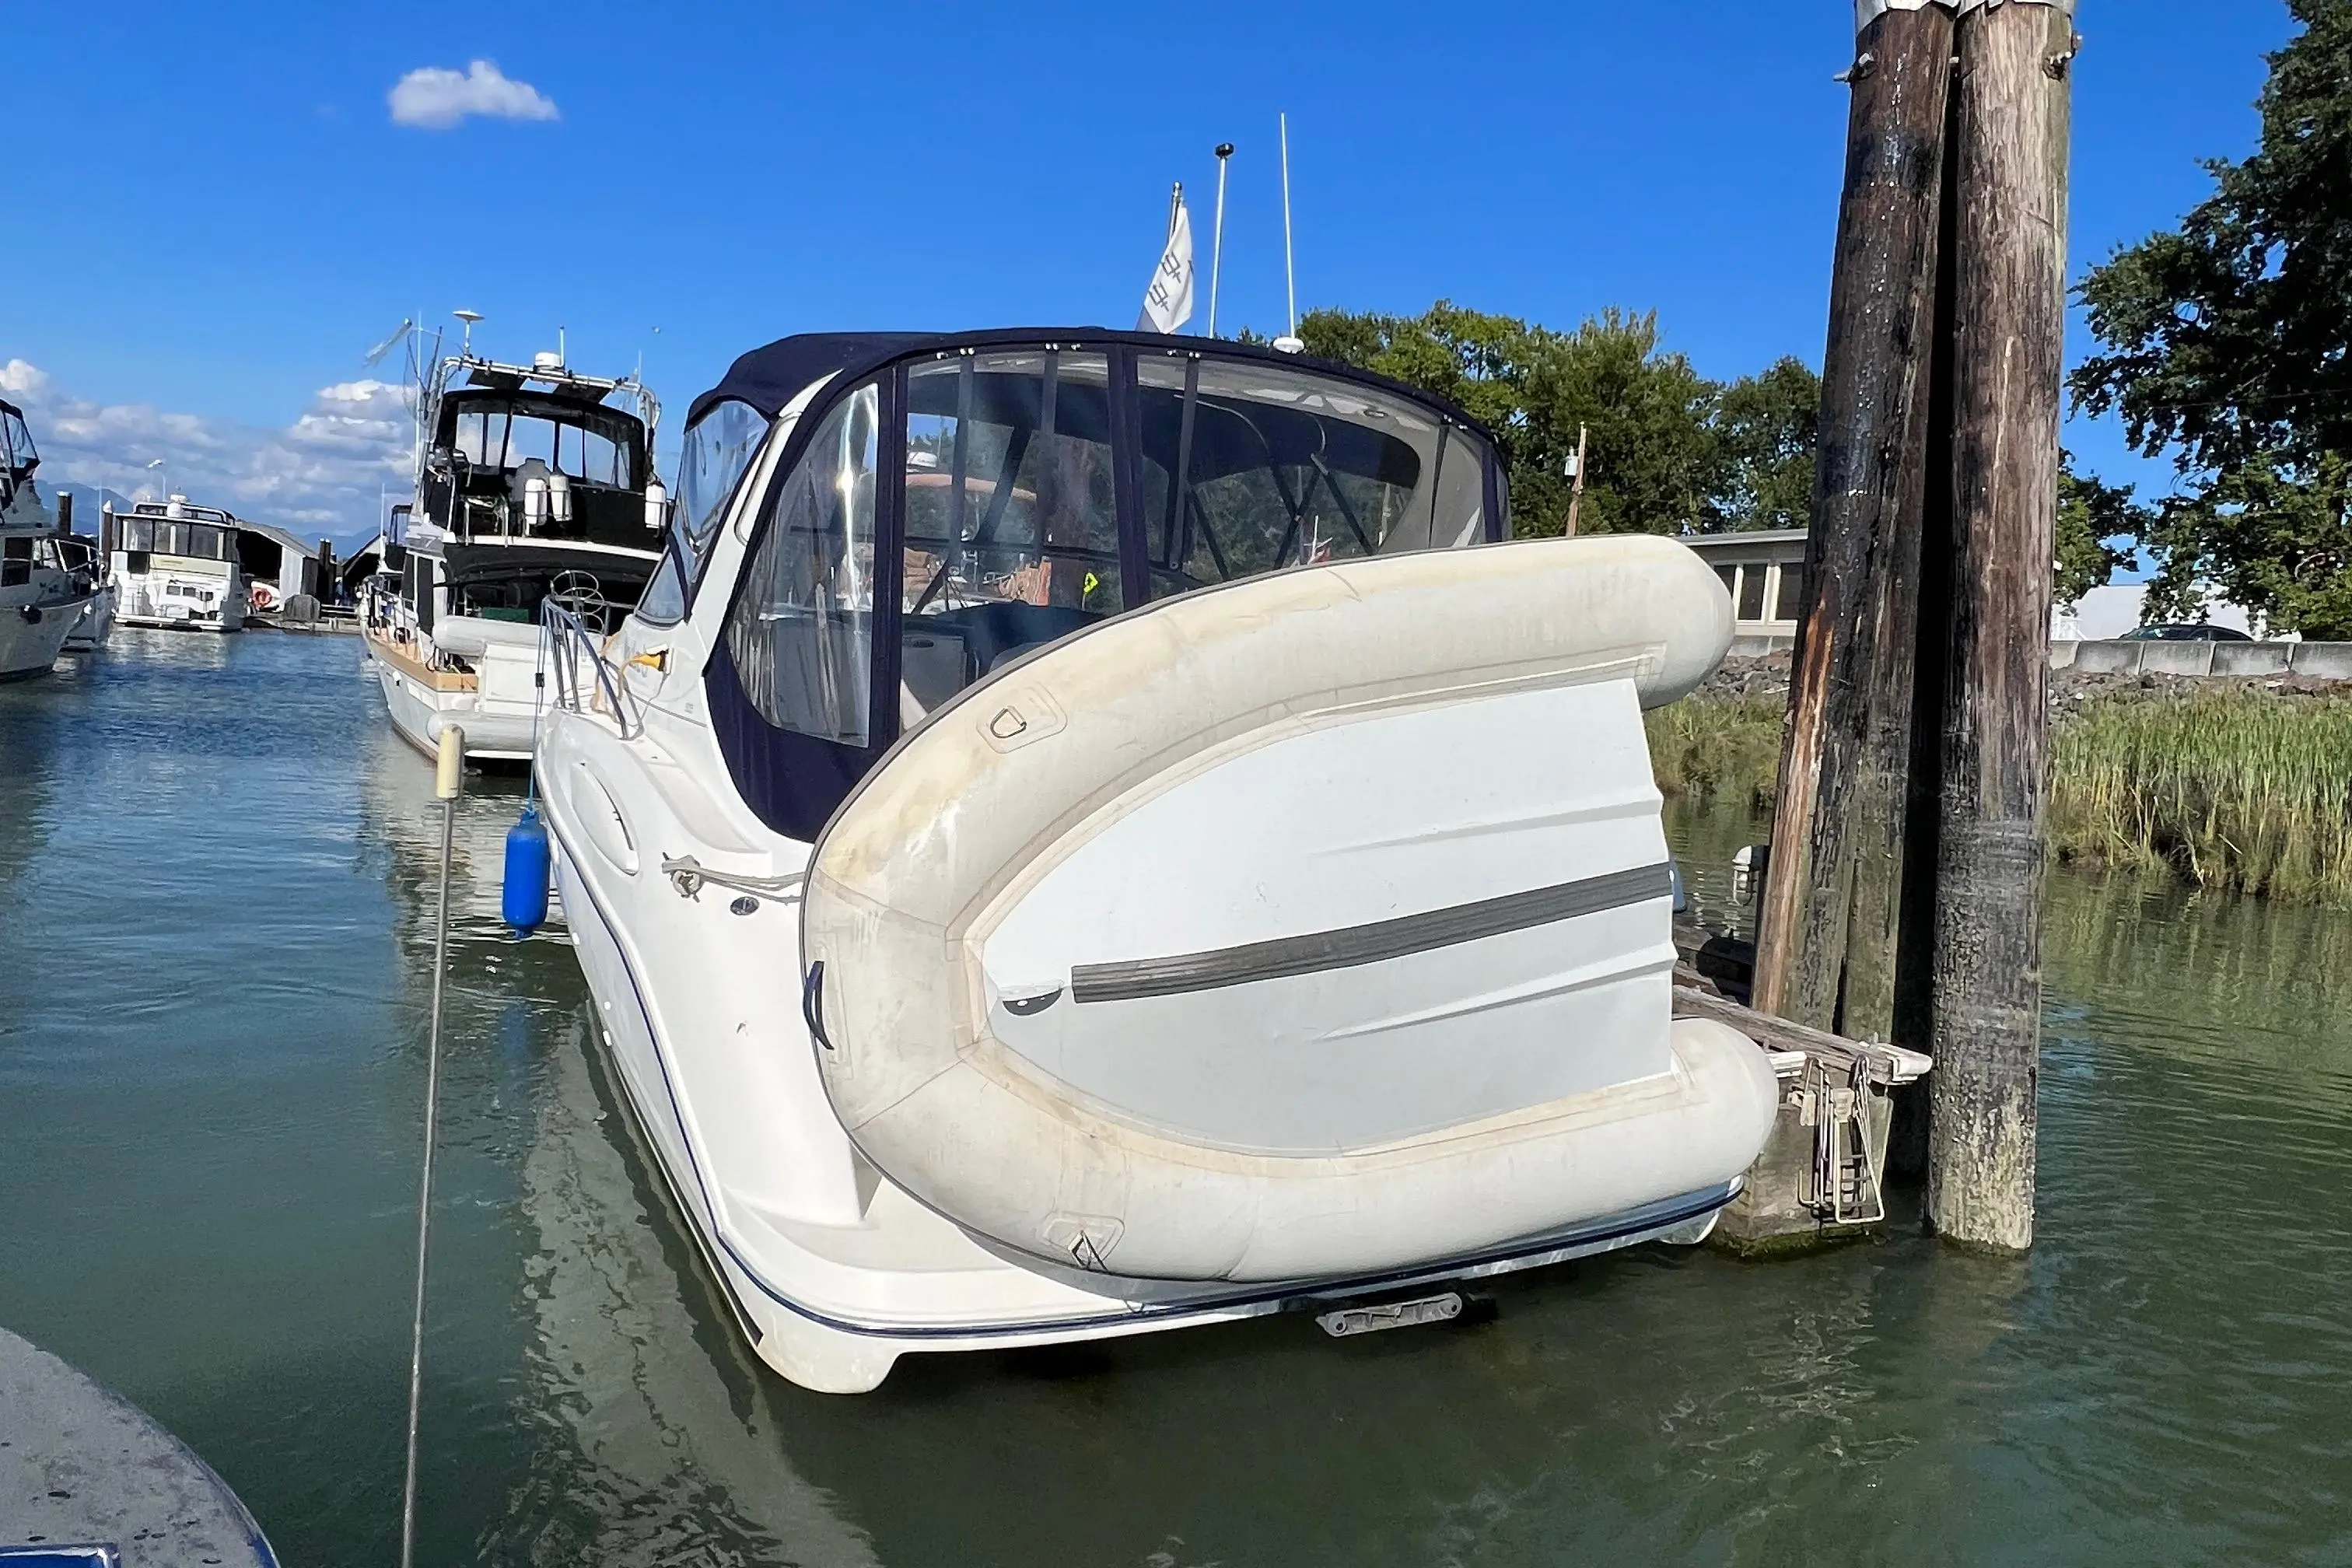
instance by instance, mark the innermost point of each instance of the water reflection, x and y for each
(660, 1428)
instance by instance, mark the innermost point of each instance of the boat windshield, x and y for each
(16, 453)
(970, 505)
(594, 446)
(1010, 517)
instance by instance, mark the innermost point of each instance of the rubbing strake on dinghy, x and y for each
(1226, 889)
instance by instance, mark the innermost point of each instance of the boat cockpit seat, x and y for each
(940, 654)
(996, 632)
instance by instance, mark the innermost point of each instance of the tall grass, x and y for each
(2225, 787)
(2229, 788)
(1719, 748)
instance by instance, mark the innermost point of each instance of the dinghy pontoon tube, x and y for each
(1316, 924)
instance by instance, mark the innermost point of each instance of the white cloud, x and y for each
(435, 98)
(321, 475)
(19, 378)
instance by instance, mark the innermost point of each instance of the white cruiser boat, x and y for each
(1074, 842)
(175, 565)
(42, 599)
(532, 483)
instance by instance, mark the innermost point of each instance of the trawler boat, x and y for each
(533, 482)
(1089, 832)
(41, 600)
(175, 565)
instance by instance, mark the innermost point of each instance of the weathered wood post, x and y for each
(1827, 921)
(2012, 128)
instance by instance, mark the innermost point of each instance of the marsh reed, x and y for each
(2237, 788)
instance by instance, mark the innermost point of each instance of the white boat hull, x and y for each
(834, 1262)
(832, 1305)
(32, 634)
(97, 623)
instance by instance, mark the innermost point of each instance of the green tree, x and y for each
(2230, 344)
(2091, 513)
(1652, 452)
(1765, 428)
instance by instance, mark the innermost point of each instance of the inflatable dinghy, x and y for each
(1315, 924)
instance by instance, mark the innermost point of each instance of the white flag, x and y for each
(1167, 303)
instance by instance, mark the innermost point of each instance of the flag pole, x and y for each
(1217, 242)
(1289, 340)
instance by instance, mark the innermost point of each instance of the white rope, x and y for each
(446, 786)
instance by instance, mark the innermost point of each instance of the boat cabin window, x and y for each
(501, 437)
(166, 536)
(1011, 513)
(801, 633)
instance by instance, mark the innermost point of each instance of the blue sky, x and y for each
(213, 214)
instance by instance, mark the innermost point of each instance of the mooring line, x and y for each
(449, 778)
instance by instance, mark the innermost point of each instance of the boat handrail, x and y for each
(565, 637)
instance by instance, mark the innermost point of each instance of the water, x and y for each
(216, 889)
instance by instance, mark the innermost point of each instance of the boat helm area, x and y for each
(502, 582)
(510, 463)
(941, 516)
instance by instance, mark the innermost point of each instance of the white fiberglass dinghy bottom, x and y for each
(1278, 944)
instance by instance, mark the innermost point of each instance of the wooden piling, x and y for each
(2009, 309)
(1827, 924)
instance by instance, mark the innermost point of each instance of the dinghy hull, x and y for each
(1318, 924)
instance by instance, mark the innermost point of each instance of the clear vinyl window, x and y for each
(801, 633)
(1250, 468)
(717, 454)
(1012, 514)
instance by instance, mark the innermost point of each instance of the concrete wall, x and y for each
(2312, 660)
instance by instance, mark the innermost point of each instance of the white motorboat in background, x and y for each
(1071, 843)
(41, 598)
(532, 482)
(175, 565)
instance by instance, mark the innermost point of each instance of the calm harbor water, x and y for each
(216, 892)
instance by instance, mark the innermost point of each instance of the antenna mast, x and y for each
(1288, 342)
(1217, 243)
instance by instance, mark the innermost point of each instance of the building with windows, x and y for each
(1765, 571)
